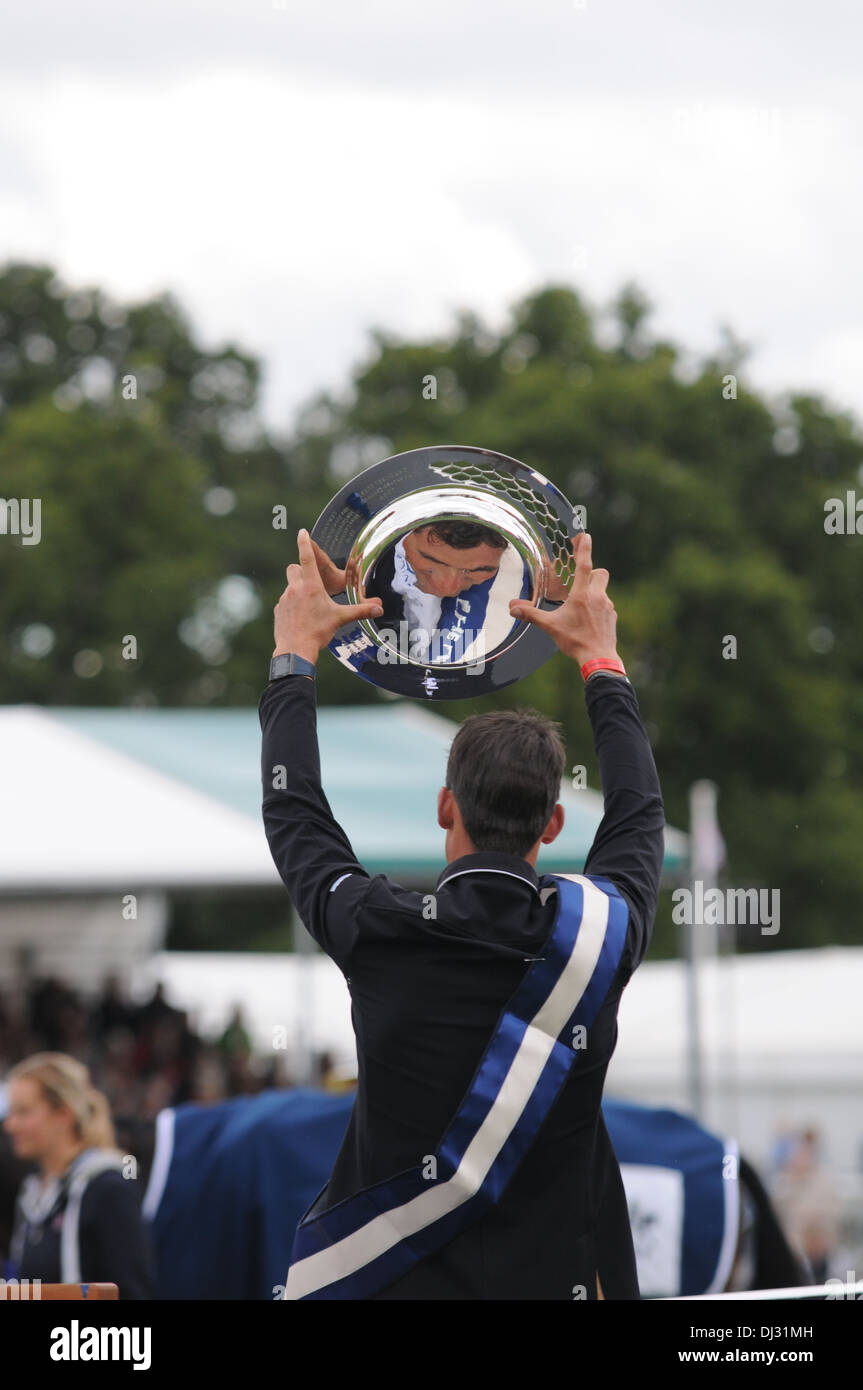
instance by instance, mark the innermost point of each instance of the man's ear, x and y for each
(445, 803)
(555, 825)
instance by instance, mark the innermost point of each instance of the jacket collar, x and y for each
(491, 863)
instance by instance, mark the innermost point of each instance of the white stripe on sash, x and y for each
(380, 1234)
(498, 623)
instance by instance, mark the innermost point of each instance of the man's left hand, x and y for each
(305, 617)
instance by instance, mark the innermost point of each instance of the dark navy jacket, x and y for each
(426, 995)
(114, 1244)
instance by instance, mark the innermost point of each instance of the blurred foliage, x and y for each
(224, 919)
(157, 506)
(705, 500)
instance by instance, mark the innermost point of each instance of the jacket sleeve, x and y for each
(629, 846)
(115, 1241)
(310, 850)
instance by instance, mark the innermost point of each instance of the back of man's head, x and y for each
(505, 770)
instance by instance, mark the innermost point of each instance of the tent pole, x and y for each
(303, 1003)
(706, 852)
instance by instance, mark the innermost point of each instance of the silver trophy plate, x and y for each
(446, 537)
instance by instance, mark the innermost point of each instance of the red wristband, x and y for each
(600, 664)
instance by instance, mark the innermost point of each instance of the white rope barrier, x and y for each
(832, 1289)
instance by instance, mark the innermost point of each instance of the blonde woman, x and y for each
(78, 1220)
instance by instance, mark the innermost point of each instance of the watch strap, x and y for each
(289, 664)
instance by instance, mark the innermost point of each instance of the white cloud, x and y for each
(292, 198)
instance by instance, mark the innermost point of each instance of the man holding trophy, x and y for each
(476, 1164)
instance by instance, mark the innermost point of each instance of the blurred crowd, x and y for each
(144, 1057)
(807, 1200)
(147, 1056)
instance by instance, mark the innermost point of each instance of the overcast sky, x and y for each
(298, 173)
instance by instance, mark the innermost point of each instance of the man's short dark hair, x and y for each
(464, 535)
(504, 770)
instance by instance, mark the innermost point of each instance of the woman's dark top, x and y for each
(107, 1239)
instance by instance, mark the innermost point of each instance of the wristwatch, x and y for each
(289, 664)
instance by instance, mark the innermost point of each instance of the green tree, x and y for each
(157, 485)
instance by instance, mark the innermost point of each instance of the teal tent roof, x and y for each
(381, 766)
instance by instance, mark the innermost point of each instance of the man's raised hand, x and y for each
(305, 617)
(584, 627)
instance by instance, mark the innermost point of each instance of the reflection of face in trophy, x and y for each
(446, 589)
(453, 555)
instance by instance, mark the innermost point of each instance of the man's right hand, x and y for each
(334, 580)
(584, 627)
(306, 618)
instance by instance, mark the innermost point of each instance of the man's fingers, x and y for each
(555, 589)
(308, 563)
(583, 566)
(529, 613)
(369, 608)
(599, 581)
(576, 543)
(322, 559)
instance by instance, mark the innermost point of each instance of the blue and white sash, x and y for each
(364, 1243)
